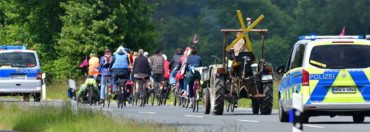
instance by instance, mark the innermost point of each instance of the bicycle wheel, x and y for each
(143, 98)
(91, 97)
(194, 105)
(137, 98)
(227, 105)
(152, 98)
(187, 103)
(197, 100)
(164, 98)
(133, 98)
(233, 105)
(174, 98)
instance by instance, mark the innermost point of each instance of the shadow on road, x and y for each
(337, 123)
(249, 114)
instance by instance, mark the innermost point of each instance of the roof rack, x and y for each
(313, 37)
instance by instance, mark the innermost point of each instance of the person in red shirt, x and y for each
(166, 68)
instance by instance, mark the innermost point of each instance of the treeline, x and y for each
(63, 32)
(285, 20)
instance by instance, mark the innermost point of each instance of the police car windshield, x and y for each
(17, 59)
(340, 56)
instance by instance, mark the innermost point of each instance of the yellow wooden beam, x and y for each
(245, 31)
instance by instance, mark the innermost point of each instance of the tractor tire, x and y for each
(283, 117)
(219, 95)
(266, 105)
(206, 101)
(255, 106)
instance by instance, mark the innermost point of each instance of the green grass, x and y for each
(61, 119)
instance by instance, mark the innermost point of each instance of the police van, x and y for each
(20, 73)
(332, 73)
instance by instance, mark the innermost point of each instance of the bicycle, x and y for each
(196, 100)
(108, 93)
(91, 95)
(124, 89)
(142, 97)
(196, 88)
(176, 94)
(163, 93)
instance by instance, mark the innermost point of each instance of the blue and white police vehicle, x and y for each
(20, 73)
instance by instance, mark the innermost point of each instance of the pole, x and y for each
(72, 86)
(43, 87)
(297, 113)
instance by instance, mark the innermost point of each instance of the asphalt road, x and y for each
(241, 119)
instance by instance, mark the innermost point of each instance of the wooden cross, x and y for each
(245, 32)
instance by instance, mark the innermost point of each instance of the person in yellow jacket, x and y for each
(93, 65)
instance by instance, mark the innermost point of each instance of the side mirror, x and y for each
(280, 69)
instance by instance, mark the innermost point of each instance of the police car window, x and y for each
(287, 68)
(17, 59)
(298, 57)
(340, 56)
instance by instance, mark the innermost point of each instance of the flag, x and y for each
(194, 39)
(84, 63)
(342, 34)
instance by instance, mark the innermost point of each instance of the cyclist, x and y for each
(141, 70)
(175, 63)
(183, 70)
(192, 61)
(166, 72)
(103, 68)
(120, 66)
(156, 62)
(94, 65)
(131, 60)
(83, 88)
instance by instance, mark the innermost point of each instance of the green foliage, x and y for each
(63, 32)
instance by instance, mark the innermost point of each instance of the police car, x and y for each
(20, 73)
(332, 73)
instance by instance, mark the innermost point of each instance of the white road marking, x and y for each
(193, 116)
(313, 126)
(108, 109)
(247, 120)
(147, 112)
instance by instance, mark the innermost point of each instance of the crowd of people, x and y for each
(139, 67)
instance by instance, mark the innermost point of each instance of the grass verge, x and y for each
(61, 119)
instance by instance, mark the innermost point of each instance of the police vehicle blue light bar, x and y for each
(313, 37)
(4, 47)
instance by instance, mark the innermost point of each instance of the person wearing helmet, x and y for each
(93, 65)
(106, 75)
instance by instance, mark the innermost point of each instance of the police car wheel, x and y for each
(358, 118)
(283, 117)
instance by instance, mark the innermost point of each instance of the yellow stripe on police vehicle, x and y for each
(332, 73)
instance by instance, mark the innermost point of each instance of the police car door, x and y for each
(294, 73)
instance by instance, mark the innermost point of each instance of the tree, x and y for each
(98, 25)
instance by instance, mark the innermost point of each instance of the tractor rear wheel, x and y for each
(219, 94)
(266, 106)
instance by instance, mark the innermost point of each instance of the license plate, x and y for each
(18, 77)
(344, 90)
